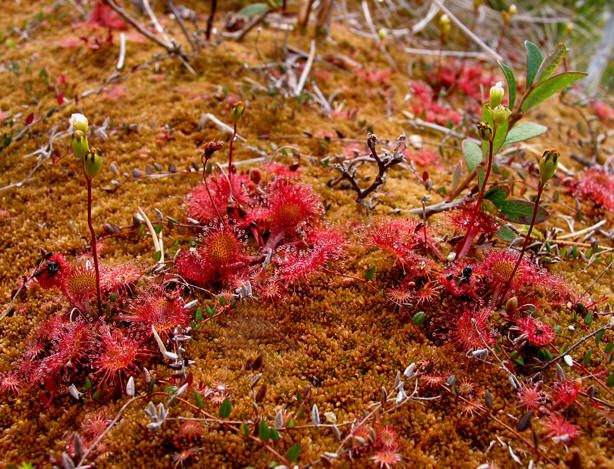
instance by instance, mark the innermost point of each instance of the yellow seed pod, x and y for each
(500, 114)
(92, 163)
(80, 145)
(237, 111)
(548, 165)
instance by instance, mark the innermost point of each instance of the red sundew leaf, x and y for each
(60, 99)
(103, 15)
(30, 119)
(425, 176)
(61, 80)
(70, 43)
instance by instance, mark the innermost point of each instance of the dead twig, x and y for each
(172, 47)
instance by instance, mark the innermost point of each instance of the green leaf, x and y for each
(245, 430)
(534, 61)
(472, 153)
(521, 211)
(225, 408)
(198, 316)
(157, 255)
(254, 9)
(274, 434)
(369, 274)
(511, 83)
(610, 380)
(524, 131)
(506, 234)
(551, 63)
(293, 452)
(497, 194)
(500, 135)
(587, 357)
(588, 319)
(199, 399)
(419, 318)
(548, 87)
(264, 432)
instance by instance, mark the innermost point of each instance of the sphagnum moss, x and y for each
(352, 345)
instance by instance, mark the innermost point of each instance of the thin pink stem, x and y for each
(93, 242)
(540, 189)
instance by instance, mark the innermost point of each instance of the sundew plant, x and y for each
(293, 234)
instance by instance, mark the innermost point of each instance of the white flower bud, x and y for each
(79, 122)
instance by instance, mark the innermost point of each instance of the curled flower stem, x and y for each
(93, 242)
(540, 190)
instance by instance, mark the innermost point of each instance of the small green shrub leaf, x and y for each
(199, 399)
(370, 274)
(521, 211)
(524, 131)
(610, 380)
(419, 318)
(473, 154)
(511, 83)
(293, 452)
(264, 432)
(225, 408)
(534, 61)
(549, 87)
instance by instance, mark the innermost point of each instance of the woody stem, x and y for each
(463, 249)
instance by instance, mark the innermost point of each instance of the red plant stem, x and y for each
(540, 189)
(93, 242)
(232, 140)
(462, 250)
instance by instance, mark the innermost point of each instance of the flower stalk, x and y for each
(547, 168)
(92, 163)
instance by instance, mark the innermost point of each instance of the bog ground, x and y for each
(325, 235)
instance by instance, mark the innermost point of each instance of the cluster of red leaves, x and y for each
(459, 299)
(424, 105)
(424, 158)
(68, 348)
(603, 111)
(472, 80)
(596, 186)
(379, 442)
(262, 227)
(103, 16)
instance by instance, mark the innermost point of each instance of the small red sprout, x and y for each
(119, 355)
(565, 393)
(559, 429)
(163, 310)
(291, 207)
(386, 457)
(536, 332)
(471, 330)
(532, 396)
(294, 262)
(218, 257)
(595, 185)
(212, 200)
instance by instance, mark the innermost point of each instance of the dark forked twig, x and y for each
(348, 168)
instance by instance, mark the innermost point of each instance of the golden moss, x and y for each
(335, 335)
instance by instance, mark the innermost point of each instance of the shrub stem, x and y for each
(467, 240)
